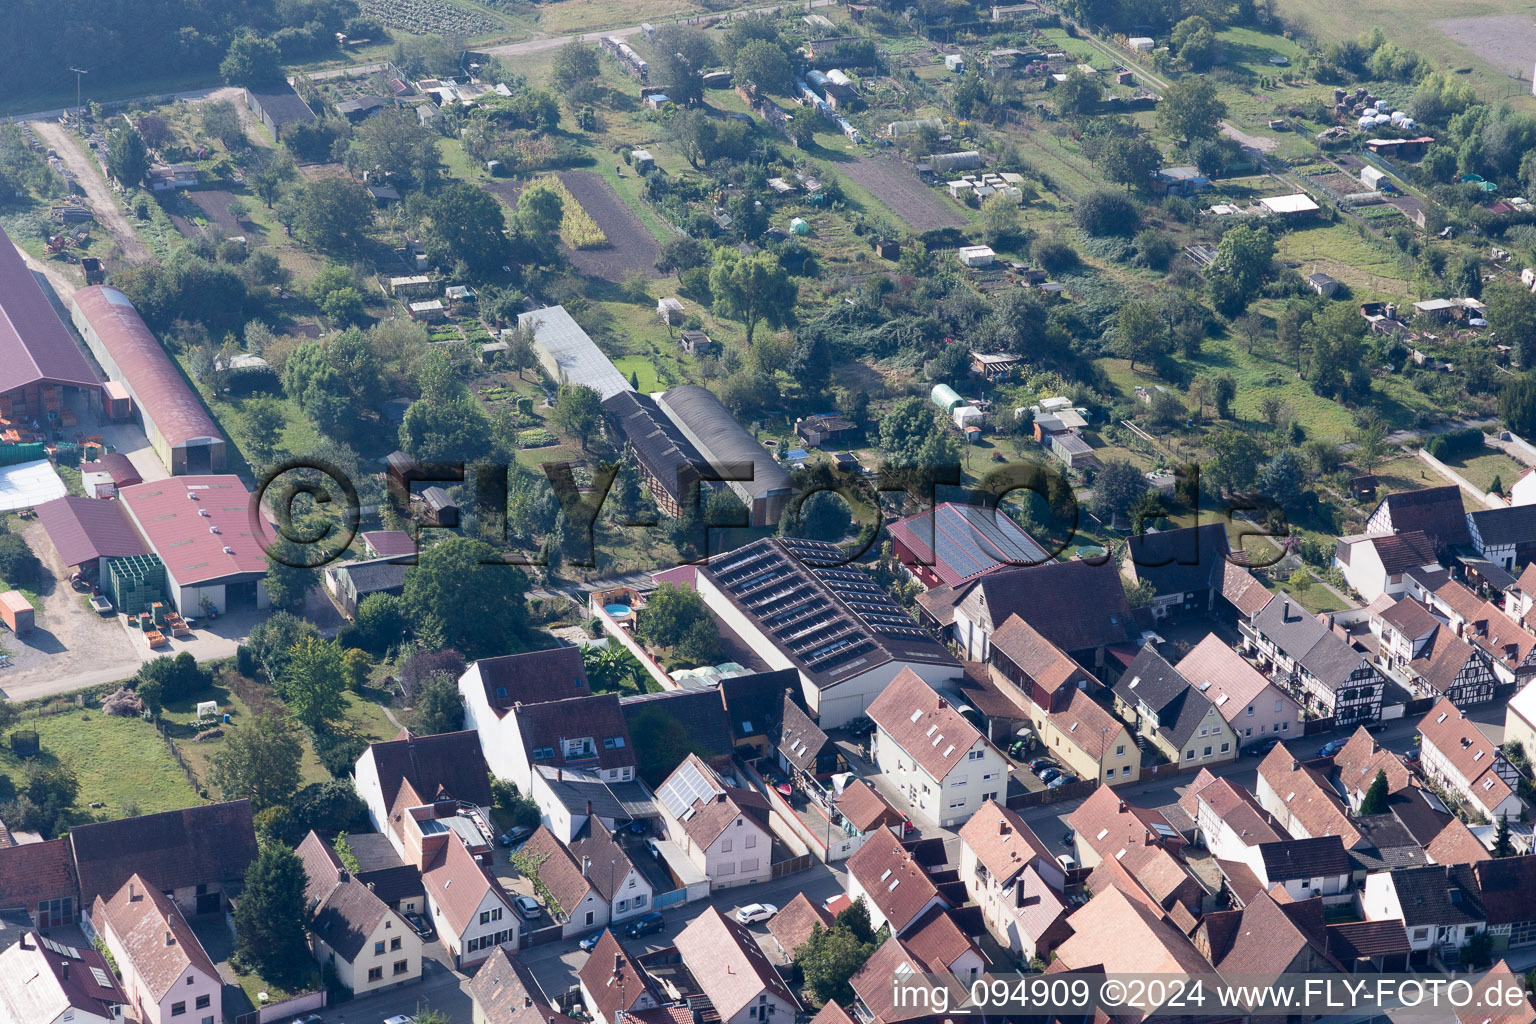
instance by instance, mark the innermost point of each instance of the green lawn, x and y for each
(1316, 598)
(642, 369)
(1370, 270)
(121, 763)
(1481, 469)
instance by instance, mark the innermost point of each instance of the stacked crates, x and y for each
(135, 582)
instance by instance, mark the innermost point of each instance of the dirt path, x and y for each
(72, 646)
(100, 195)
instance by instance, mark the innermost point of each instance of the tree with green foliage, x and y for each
(1517, 404)
(1117, 488)
(681, 252)
(661, 743)
(1512, 314)
(1284, 481)
(999, 220)
(251, 60)
(1247, 255)
(333, 213)
(269, 918)
(762, 64)
(1375, 799)
(683, 54)
(261, 428)
(669, 614)
(753, 289)
(1080, 94)
(1339, 368)
(1141, 334)
(1195, 43)
(1106, 212)
(467, 223)
(578, 412)
(1503, 842)
(379, 623)
(259, 762)
(273, 638)
(128, 157)
(288, 577)
(275, 171)
(831, 956)
(822, 515)
(1130, 160)
(1236, 462)
(1370, 444)
(394, 145)
(439, 708)
(575, 70)
(1224, 390)
(462, 587)
(1190, 109)
(314, 685)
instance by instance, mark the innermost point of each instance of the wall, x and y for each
(1266, 719)
(741, 863)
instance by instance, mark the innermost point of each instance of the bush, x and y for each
(1107, 213)
(1056, 257)
(18, 565)
(122, 703)
(337, 753)
(1454, 443)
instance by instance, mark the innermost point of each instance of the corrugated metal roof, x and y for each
(85, 529)
(722, 439)
(185, 539)
(34, 343)
(155, 380)
(569, 355)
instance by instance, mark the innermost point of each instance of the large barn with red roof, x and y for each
(41, 365)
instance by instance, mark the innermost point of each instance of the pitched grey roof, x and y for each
(720, 438)
(800, 739)
(1313, 645)
(700, 712)
(569, 355)
(1498, 527)
(1179, 706)
(1076, 605)
(1304, 858)
(1180, 561)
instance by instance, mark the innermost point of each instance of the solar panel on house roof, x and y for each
(685, 787)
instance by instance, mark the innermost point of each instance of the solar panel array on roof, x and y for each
(965, 541)
(685, 787)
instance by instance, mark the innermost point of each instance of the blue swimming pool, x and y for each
(618, 611)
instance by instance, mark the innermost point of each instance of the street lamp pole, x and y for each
(78, 72)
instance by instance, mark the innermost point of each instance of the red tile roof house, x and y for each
(1458, 756)
(1010, 874)
(589, 883)
(1228, 818)
(875, 986)
(1508, 889)
(1302, 800)
(791, 927)
(612, 981)
(1266, 939)
(892, 884)
(37, 878)
(1430, 659)
(1139, 842)
(1252, 705)
(198, 855)
(723, 830)
(209, 535)
(45, 982)
(472, 912)
(1438, 905)
(506, 992)
(1124, 935)
(1357, 764)
(732, 971)
(446, 766)
(932, 754)
(167, 975)
(1500, 977)
(353, 932)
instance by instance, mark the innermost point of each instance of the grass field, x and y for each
(643, 370)
(1481, 469)
(1370, 270)
(122, 763)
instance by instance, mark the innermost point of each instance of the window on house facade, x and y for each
(202, 1002)
(749, 841)
(1226, 747)
(1120, 750)
(638, 901)
(749, 864)
(177, 1009)
(725, 845)
(1189, 755)
(375, 974)
(401, 967)
(378, 947)
(1207, 752)
(394, 944)
(975, 755)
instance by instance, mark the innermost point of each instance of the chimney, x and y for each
(589, 808)
(1002, 826)
(133, 892)
(1285, 611)
(1122, 807)
(618, 964)
(24, 944)
(64, 971)
(586, 867)
(1295, 764)
(170, 940)
(559, 774)
(943, 703)
(527, 1000)
(1147, 838)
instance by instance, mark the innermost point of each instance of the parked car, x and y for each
(513, 836)
(1261, 748)
(650, 844)
(1067, 861)
(1049, 775)
(1061, 780)
(1411, 754)
(589, 942)
(863, 725)
(313, 1018)
(1377, 727)
(423, 926)
(1042, 762)
(639, 827)
(400, 1019)
(1068, 838)
(1330, 748)
(755, 912)
(528, 908)
(645, 924)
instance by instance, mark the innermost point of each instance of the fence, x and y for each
(186, 769)
(1045, 797)
(791, 866)
(675, 898)
(1313, 726)
(540, 936)
(308, 1002)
